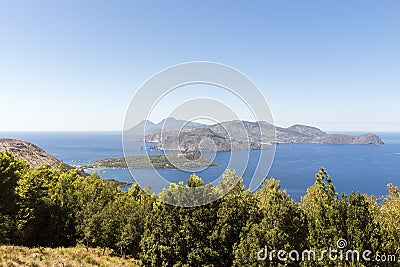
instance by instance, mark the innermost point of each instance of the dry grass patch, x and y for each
(57, 257)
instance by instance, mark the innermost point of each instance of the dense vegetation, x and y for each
(59, 208)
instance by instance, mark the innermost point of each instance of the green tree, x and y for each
(325, 213)
(362, 232)
(388, 217)
(11, 170)
(122, 224)
(282, 226)
(176, 236)
(92, 196)
(35, 208)
(62, 193)
(237, 208)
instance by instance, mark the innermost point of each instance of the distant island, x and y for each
(173, 134)
(173, 160)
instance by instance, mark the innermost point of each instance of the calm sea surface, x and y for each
(360, 168)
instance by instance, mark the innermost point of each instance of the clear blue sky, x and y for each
(74, 65)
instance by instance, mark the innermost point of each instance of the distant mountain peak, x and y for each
(308, 130)
(166, 124)
(148, 122)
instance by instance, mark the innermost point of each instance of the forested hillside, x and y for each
(59, 208)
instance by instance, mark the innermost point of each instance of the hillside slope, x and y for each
(32, 154)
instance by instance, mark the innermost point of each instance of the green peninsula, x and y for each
(172, 161)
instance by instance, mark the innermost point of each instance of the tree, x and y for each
(92, 196)
(388, 217)
(11, 170)
(176, 236)
(62, 193)
(237, 208)
(122, 224)
(362, 232)
(331, 219)
(325, 213)
(282, 226)
(35, 209)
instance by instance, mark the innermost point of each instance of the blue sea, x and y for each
(359, 168)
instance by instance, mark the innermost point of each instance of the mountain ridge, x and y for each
(149, 127)
(245, 135)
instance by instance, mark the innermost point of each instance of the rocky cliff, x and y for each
(33, 155)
